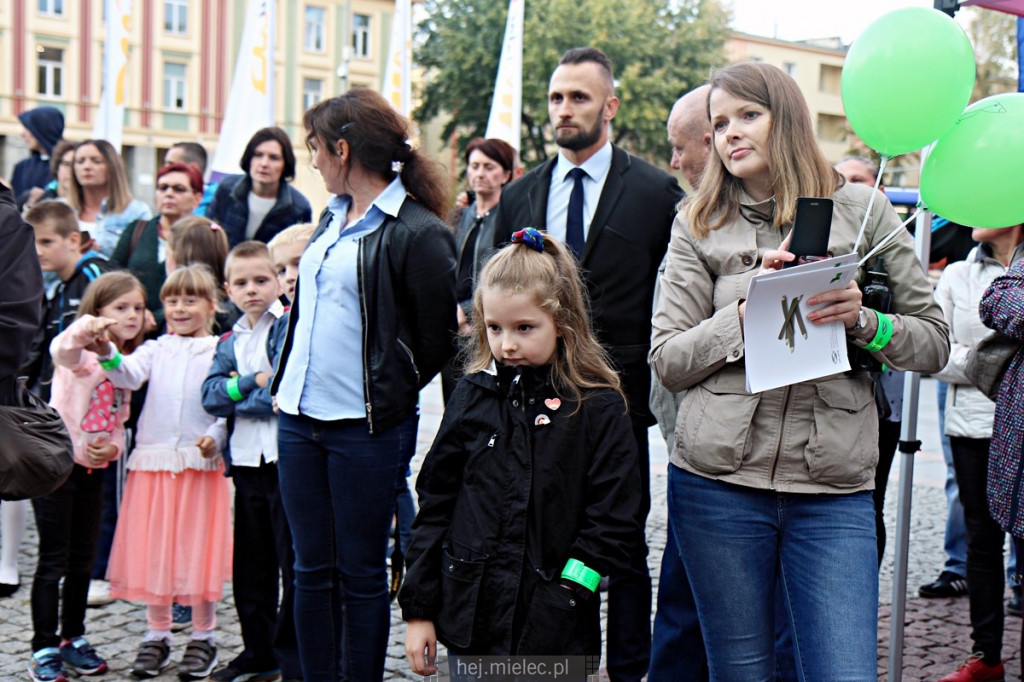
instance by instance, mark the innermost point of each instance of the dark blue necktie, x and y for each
(574, 219)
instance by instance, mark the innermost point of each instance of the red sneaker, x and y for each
(975, 670)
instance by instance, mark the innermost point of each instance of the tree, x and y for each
(994, 37)
(660, 49)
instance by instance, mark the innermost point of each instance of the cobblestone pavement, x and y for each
(937, 634)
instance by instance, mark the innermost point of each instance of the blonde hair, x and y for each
(295, 234)
(798, 167)
(193, 280)
(553, 279)
(106, 289)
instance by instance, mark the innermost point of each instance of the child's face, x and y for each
(286, 264)
(518, 331)
(252, 286)
(129, 311)
(188, 315)
(56, 253)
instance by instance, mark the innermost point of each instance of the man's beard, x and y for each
(579, 139)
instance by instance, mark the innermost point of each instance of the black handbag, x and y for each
(36, 456)
(988, 361)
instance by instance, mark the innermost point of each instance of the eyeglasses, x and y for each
(177, 189)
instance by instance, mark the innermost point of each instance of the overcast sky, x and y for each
(805, 19)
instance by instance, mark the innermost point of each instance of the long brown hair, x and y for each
(106, 289)
(553, 279)
(118, 193)
(198, 240)
(798, 167)
(379, 139)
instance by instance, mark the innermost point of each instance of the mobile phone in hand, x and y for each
(811, 230)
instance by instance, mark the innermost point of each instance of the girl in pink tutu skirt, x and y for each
(173, 538)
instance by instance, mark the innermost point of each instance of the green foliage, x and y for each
(660, 49)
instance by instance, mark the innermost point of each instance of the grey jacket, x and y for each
(818, 436)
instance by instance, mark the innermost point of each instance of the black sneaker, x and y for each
(199, 660)
(1013, 607)
(948, 584)
(153, 656)
(233, 674)
(80, 657)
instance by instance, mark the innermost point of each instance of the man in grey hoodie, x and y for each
(43, 128)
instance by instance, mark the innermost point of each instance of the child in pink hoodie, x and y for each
(68, 520)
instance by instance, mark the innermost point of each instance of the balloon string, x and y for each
(888, 238)
(871, 202)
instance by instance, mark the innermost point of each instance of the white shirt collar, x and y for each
(596, 167)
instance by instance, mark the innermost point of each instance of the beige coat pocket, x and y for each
(713, 433)
(843, 447)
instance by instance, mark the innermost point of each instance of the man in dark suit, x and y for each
(617, 216)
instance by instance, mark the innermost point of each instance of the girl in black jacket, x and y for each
(530, 492)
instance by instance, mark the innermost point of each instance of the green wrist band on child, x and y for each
(576, 571)
(882, 336)
(233, 392)
(113, 362)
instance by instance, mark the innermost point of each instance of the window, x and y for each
(829, 79)
(51, 71)
(174, 86)
(361, 35)
(790, 68)
(832, 128)
(312, 92)
(314, 35)
(51, 7)
(176, 16)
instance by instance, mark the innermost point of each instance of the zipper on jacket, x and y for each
(494, 437)
(366, 334)
(778, 444)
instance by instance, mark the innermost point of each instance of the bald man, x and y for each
(689, 133)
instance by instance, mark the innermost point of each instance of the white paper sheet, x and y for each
(817, 350)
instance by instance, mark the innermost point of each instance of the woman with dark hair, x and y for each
(261, 202)
(100, 194)
(489, 167)
(770, 493)
(143, 248)
(371, 323)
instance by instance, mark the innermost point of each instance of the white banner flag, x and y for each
(504, 122)
(109, 123)
(397, 87)
(251, 100)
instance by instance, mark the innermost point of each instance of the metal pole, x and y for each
(909, 445)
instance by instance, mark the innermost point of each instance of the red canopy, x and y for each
(1008, 6)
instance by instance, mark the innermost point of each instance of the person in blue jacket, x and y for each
(43, 128)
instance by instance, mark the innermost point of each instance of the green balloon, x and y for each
(906, 79)
(972, 175)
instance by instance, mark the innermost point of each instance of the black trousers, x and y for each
(984, 547)
(888, 441)
(68, 523)
(263, 559)
(629, 593)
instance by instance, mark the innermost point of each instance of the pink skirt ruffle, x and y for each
(173, 541)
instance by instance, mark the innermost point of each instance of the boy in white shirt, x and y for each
(237, 389)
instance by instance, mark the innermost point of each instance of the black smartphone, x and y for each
(811, 230)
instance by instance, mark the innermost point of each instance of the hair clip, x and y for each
(531, 237)
(397, 166)
(215, 227)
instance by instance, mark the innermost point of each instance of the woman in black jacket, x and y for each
(371, 324)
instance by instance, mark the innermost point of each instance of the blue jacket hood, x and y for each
(46, 125)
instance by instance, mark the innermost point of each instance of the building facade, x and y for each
(180, 65)
(816, 67)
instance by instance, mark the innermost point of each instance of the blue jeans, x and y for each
(338, 487)
(737, 543)
(956, 527)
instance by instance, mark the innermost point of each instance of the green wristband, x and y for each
(578, 572)
(113, 362)
(233, 392)
(882, 336)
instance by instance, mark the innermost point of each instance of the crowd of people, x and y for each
(225, 346)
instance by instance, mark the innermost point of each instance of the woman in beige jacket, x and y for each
(774, 487)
